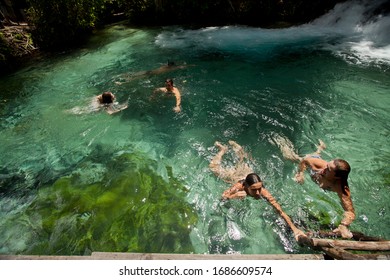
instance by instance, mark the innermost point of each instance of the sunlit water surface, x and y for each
(75, 181)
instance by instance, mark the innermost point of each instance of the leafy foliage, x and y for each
(205, 12)
(4, 48)
(60, 23)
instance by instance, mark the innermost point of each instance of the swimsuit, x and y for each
(314, 156)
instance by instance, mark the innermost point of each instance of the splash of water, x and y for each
(354, 30)
(364, 27)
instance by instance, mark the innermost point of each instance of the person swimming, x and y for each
(170, 90)
(169, 66)
(329, 175)
(251, 186)
(105, 101)
(231, 174)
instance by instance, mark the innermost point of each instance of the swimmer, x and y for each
(329, 175)
(248, 185)
(170, 90)
(232, 174)
(105, 101)
(106, 98)
(170, 66)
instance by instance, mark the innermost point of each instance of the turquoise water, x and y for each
(74, 180)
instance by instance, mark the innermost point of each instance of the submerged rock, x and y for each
(132, 209)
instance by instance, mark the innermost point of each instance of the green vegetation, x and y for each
(132, 209)
(4, 48)
(222, 12)
(61, 23)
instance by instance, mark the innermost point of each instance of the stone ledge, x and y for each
(150, 256)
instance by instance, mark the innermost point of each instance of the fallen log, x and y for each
(341, 254)
(358, 236)
(352, 245)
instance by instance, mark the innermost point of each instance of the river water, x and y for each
(76, 180)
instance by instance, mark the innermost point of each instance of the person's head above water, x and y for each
(338, 169)
(107, 97)
(342, 169)
(253, 185)
(169, 83)
(251, 179)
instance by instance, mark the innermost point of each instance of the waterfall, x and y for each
(356, 30)
(364, 26)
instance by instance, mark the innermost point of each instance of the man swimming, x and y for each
(170, 90)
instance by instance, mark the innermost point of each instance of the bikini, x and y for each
(314, 156)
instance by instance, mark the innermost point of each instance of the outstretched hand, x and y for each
(303, 239)
(299, 177)
(344, 231)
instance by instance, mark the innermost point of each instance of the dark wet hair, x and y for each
(342, 171)
(170, 81)
(107, 97)
(251, 179)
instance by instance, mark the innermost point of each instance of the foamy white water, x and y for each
(356, 30)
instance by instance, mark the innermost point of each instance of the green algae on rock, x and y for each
(131, 210)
